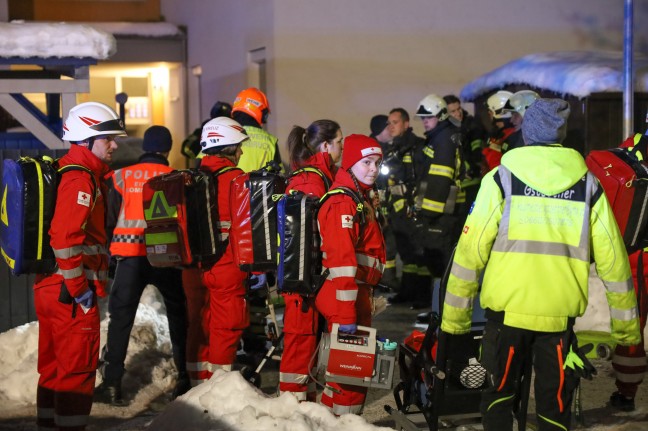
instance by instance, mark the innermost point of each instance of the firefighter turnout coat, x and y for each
(536, 221)
(68, 345)
(300, 315)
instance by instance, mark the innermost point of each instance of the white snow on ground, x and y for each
(577, 73)
(227, 401)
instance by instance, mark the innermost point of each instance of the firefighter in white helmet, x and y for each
(501, 129)
(65, 301)
(517, 105)
(226, 312)
(439, 173)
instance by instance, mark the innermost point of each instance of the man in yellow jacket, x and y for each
(537, 220)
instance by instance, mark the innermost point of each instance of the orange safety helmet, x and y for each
(253, 102)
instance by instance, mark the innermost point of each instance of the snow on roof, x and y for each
(27, 39)
(146, 29)
(576, 73)
(82, 40)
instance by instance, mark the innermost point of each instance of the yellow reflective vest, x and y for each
(536, 222)
(258, 150)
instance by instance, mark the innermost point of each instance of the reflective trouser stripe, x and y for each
(342, 410)
(300, 379)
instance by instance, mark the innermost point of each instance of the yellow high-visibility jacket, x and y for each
(537, 220)
(260, 149)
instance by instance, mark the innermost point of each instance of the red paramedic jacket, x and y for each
(77, 233)
(353, 253)
(212, 164)
(310, 182)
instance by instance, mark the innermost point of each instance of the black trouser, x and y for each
(132, 275)
(504, 353)
(414, 285)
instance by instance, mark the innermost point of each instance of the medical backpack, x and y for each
(253, 233)
(181, 213)
(299, 263)
(625, 181)
(29, 188)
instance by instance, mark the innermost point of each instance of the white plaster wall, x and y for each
(349, 60)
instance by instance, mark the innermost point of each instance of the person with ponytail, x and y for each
(314, 151)
(353, 250)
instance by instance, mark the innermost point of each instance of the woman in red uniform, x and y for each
(353, 251)
(228, 309)
(313, 154)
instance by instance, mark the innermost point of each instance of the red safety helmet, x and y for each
(253, 102)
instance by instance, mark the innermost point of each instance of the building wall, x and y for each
(85, 10)
(351, 60)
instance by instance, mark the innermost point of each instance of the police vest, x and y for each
(128, 236)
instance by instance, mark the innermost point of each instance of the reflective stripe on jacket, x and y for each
(77, 232)
(352, 252)
(535, 220)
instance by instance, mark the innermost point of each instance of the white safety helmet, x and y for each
(432, 106)
(89, 119)
(521, 100)
(221, 132)
(497, 103)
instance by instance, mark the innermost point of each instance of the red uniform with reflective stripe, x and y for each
(128, 235)
(229, 314)
(355, 257)
(629, 362)
(300, 326)
(68, 345)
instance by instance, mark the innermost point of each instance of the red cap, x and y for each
(357, 147)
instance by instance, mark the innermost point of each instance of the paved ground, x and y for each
(395, 323)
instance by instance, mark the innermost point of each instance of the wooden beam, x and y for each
(40, 131)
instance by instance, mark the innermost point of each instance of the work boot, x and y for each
(182, 386)
(622, 402)
(109, 393)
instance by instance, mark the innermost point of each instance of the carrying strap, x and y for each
(68, 168)
(225, 169)
(359, 215)
(325, 179)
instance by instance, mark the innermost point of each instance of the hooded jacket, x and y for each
(536, 221)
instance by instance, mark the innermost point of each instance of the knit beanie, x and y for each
(378, 124)
(157, 139)
(545, 122)
(357, 147)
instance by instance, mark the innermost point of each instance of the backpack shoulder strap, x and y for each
(327, 182)
(68, 168)
(226, 169)
(354, 195)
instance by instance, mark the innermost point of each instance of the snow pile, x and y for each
(228, 401)
(26, 39)
(576, 73)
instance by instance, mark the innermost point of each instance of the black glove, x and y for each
(577, 363)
